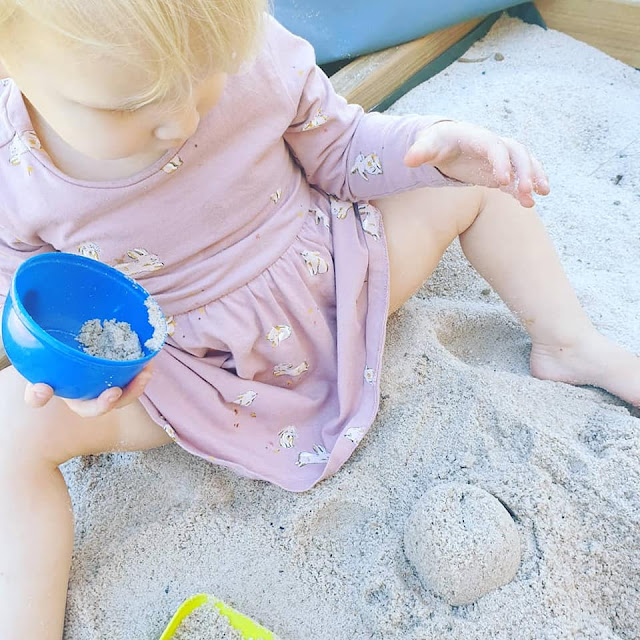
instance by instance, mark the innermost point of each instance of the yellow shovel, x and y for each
(250, 630)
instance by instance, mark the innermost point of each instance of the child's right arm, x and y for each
(37, 395)
(13, 252)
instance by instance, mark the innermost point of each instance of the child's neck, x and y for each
(76, 165)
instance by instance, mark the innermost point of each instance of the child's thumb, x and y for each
(420, 152)
(37, 395)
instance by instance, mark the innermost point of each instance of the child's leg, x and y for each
(36, 522)
(510, 248)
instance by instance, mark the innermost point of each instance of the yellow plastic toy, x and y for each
(250, 630)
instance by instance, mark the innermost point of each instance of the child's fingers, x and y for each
(522, 165)
(106, 401)
(113, 398)
(499, 158)
(525, 199)
(135, 388)
(37, 395)
(426, 150)
(522, 187)
(531, 175)
(436, 144)
(540, 180)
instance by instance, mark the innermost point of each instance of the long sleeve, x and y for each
(342, 150)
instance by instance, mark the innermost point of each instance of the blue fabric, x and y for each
(341, 29)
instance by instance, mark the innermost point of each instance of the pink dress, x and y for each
(257, 239)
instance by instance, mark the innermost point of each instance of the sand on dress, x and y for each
(458, 406)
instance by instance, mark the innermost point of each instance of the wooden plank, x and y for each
(368, 80)
(611, 25)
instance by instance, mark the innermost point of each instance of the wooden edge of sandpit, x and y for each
(370, 79)
(373, 80)
(613, 26)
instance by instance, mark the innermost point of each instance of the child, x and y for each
(195, 146)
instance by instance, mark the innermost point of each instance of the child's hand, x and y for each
(477, 156)
(37, 395)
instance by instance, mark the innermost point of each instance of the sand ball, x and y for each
(462, 542)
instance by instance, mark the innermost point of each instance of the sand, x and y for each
(110, 340)
(458, 406)
(207, 623)
(115, 340)
(158, 324)
(462, 542)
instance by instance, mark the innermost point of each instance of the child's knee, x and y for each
(50, 434)
(492, 198)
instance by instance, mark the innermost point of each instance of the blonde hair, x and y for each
(176, 41)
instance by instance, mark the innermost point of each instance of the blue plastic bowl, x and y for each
(51, 296)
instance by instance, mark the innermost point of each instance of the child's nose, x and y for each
(179, 125)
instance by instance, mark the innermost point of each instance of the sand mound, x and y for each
(462, 542)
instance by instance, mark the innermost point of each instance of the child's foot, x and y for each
(593, 360)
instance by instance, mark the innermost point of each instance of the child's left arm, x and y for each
(355, 155)
(475, 155)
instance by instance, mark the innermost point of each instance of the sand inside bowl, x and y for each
(114, 340)
(110, 340)
(205, 623)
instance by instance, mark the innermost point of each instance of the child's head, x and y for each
(117, 78)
